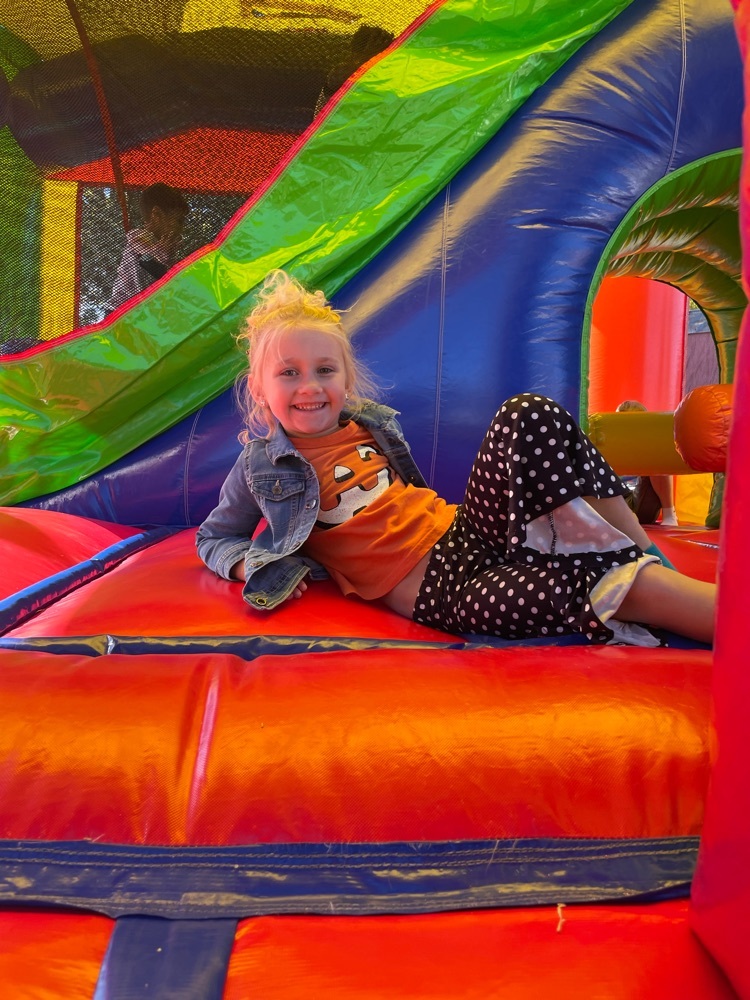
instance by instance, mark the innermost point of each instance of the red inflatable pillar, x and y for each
(637, 345)
(721, 890)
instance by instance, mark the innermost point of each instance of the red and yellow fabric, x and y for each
(352, 746)
(58, 259)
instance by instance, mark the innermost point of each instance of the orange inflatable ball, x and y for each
(701, 427)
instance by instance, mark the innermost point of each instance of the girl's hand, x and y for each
(237, 572)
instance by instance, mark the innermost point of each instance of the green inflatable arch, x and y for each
(685, 231)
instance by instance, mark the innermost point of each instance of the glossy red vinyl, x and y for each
(377, 745)
(36, 544)
(170, 592)
(624, 952)
(51, 956)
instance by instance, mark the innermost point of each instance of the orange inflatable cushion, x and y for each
(701, 427)
(362, 745)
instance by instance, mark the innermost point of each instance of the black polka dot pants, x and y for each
(483, 576)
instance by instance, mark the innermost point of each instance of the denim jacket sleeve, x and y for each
(224, 537)
(277, 505)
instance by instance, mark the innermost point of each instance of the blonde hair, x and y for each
(630, 404)
(283, 304)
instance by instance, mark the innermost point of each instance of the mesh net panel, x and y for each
(100, 100)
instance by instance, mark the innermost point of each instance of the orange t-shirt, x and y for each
(372, 528)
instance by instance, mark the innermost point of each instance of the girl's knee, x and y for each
(525, 401)
(530, 408)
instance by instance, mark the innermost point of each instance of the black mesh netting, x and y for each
(100, 100)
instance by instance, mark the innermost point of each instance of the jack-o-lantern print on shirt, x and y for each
(372, 528)
(356, 482)
(351, 470)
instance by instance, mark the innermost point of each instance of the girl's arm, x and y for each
(237, 572)
(224, 537)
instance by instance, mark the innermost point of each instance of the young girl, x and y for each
(543, 543)
(151, 249)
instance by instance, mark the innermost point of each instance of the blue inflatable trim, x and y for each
(27, 602)
(250, 647)
(147, 956)
(342, 879)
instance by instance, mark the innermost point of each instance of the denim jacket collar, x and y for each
(371, 415)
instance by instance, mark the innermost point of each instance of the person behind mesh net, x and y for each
(151, 249)
(651, 494)
(367, 41)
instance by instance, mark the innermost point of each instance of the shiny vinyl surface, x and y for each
(622, 952)
(380, 745)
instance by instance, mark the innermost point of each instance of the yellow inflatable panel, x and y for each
(638, 443)
(692, 496)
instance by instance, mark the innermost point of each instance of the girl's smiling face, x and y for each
(304, 382)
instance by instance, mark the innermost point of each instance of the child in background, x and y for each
(543, 543)
(151, 250)
(367, 41)
(652, 494)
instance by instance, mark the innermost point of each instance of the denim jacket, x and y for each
(271, 480)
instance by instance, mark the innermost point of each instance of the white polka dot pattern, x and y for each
(482, 578)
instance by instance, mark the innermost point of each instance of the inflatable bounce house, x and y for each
(200, 800)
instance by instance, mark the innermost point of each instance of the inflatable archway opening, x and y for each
(685, 232)
(684, 235)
